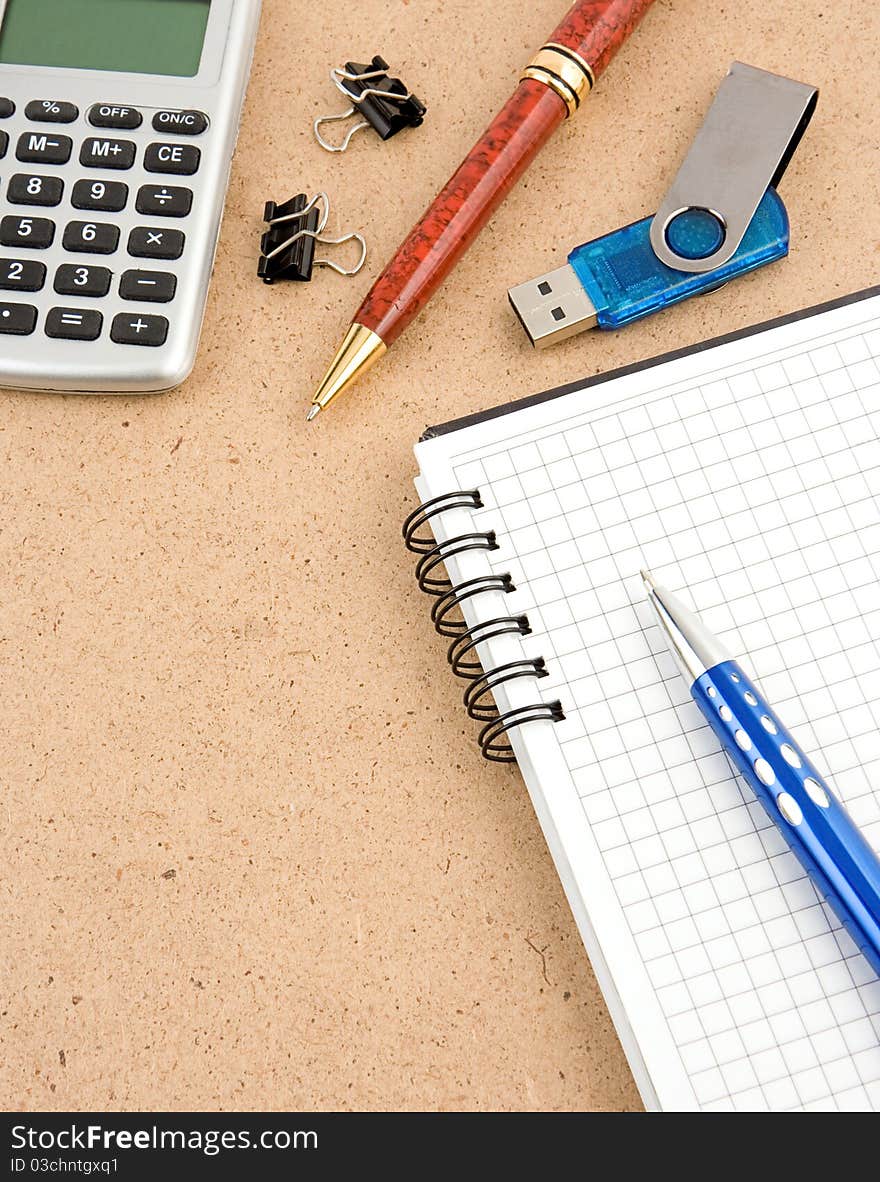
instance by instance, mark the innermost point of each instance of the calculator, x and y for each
(118, 122)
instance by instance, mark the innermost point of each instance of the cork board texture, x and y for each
(251, 857)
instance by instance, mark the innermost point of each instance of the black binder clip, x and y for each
(288, 246)
(385, 103)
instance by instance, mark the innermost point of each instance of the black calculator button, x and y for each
(27, 189)
(154, 242)
(7, 108)
(51, 111)
(71, 279)
(180, 122)
(110, 196)
(154, 287)
(119, 118)
(18, 320)
(106, 153)
(180, 159)
(43, 147)
(91, 237)
(4, 143)
(34, 233)
(168, 201)
(139, 329)
(74, 324)
(21, 275)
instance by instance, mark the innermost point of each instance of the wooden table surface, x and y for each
(251, 857)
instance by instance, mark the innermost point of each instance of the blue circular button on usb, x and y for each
(695, 234)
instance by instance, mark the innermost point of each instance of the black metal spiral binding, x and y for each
(458, 653)
(428, 563)
(478, 695)
(442, 608)
(461, 654)
(424, 513)
(492, 738)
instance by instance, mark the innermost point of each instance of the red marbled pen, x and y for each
(551, 89)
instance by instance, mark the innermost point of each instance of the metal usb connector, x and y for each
(553, 307)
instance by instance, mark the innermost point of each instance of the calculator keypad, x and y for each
(51, 184)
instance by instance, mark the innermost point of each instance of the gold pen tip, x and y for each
(360, 349)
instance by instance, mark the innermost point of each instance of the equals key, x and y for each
(73, 324)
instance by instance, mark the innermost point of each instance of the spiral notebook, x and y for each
(746, 471)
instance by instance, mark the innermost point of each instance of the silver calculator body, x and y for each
(112, 184)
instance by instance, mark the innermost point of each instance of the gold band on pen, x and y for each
(564, 71)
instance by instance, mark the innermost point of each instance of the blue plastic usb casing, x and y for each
(625, 280)
(616, 279)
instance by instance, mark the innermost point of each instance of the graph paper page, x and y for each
(747, 478)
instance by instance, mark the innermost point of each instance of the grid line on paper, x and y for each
(759, 493)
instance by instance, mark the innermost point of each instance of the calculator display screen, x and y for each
(133, 36)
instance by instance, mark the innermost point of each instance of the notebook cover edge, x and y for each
(506, 408)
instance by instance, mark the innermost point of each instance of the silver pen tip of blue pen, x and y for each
(648, 580)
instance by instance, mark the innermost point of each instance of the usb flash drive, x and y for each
(721, 218)
(618, 278)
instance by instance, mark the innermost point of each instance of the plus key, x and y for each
(140, 329)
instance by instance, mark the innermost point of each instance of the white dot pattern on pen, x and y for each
(765, 772)
(742, 740)
(816, 793)
(768, 724)
(789, 808)
(790, 756)
(710, 690)
(726, 713)
(751, 699)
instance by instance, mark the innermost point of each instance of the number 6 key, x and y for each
(91, 237)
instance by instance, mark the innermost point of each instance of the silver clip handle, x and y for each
(743, 147)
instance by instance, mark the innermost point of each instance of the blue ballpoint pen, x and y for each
(829, 845)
